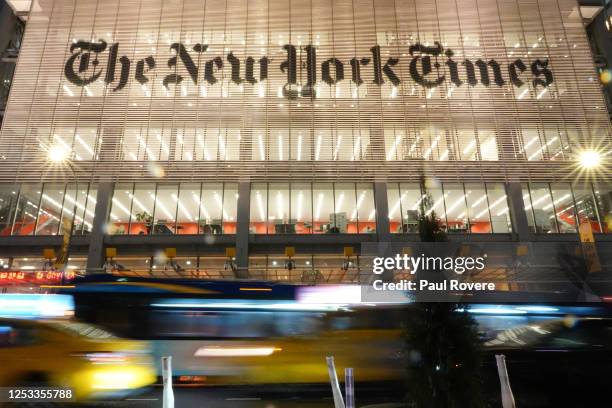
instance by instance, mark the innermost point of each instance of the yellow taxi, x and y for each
(91, 362)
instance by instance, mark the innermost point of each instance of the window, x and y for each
(603, 197)
(304, 208)
(27, 209)
(8, 205)
(168, 209)
(540, 208)
(471, 207)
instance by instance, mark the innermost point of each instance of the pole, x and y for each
(349, 387)
(168, 394)
(506, 391)
(333, 379)
(71, 225)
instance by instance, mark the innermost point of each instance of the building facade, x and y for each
(318, 125)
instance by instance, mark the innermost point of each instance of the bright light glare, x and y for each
(235, 351)
(57, 153)
(589, 159)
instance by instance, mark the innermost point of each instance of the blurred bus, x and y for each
(245, 332)
(223, 333)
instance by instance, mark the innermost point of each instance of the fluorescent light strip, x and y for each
(357, 149)
(318, 208)
(201, 205)
(391, 153)
(220, 204)
(138, 203)
(337, 148)
(541, 94)
(522, 95)
(551, 141)
(455, 204)
(557, 201)
(300, 205)
(85, 145)
(182, 207)
(299, 148)
(437, 203)
(162, 207)
(538, 201)
(222, 150)
(279, 205)
(359, 202)
(340, 202)
(280, 147)
(68, 90)
(318, 149)
(480, 200)
(262, 214)
(469, 147)
(396, 205)
(430, 149)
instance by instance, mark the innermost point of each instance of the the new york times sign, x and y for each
(429, 67)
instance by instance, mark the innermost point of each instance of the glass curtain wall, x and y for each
(317, 208)
(174, 209)
(462, 208)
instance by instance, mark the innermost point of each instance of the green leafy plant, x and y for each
(144, 217)
(443, 355)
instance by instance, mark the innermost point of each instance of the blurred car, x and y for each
(89, 360)
(560, 362)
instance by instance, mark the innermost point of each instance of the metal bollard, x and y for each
(506, 391)
(168, 394)
(333, 379)
(349, 388)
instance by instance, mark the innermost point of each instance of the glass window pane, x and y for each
(477, 209)
(211, 208)
(435, 204)
(259, 215)
(51, 209)
(543, 213)
(143, 201)
(77, 206)
(278, 209)
(188, 209)
(603, 195)
(166, 203)
(27, 209)
(585, 206)
(301, 207)
(498, 207)
(411, 200)
(230, 208)
(366, 210)
(563, 205)
(8, 205)
(120, 211)
(456, 209)
(346, 205)
(323, 207)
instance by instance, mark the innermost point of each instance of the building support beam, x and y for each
(242, 229)
(517, 211)
(96, 255)
(382, 211)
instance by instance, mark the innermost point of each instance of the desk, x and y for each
(214, 229)
(159, 229)
(284, 228)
